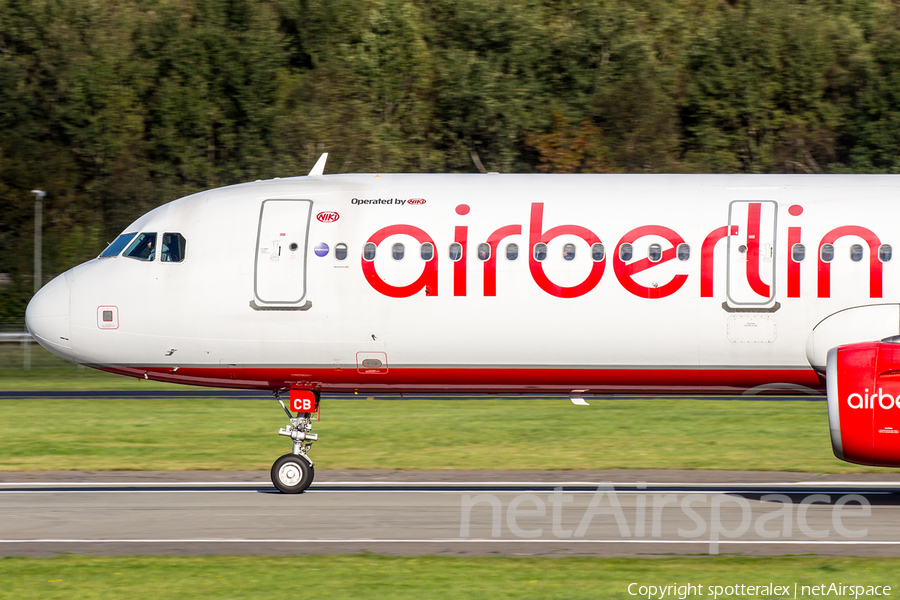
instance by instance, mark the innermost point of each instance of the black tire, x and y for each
(291, 474)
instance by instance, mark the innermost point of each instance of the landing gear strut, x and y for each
(294, 472)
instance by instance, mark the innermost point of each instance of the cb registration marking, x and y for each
(303, 401)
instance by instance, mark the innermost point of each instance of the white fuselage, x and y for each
(245, 308)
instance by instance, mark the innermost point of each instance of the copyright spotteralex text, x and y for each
(795, 590)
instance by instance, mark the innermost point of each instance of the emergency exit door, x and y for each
(279, 278)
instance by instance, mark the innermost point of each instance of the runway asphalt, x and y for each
(517, 513)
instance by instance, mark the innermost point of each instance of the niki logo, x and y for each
(416, 201)
(327, 216)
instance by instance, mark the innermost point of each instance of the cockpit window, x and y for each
(143, 247)
(116, 246)
(173, 245)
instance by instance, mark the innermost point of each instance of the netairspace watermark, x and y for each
(688, 590)
(725, 516)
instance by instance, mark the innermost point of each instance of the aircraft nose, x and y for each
(47, 317)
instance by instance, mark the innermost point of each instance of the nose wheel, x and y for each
(294, 472)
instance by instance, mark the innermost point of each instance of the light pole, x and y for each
(38, 241)
(38, 252)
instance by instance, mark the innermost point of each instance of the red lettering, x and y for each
(537, 269)
(707, 258)
(875, 267)
(793, 267)
(625, 271)
(754, 210)
(490, 265)
(428, 280)
(459, 267)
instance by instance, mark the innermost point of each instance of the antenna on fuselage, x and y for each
(319, 167)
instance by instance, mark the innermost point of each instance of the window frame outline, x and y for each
(134, 241)
(127, 243)
(374, 247)
(184, 254)
(422, 248)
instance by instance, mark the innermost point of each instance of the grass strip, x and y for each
(178, 434)
(420, 578)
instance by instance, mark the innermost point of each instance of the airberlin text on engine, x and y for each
(866, 401)
(624, 270)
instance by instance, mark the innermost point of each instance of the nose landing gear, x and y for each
(294, 472)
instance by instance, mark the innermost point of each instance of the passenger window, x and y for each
(397, 251)
(116, 246)
(512, 251)
(598, 252)
(569, 252)
(826, 253)
(455, 251)
(143, 247)
(683, 252)
(885, 252)
(484, 251)
(540, 252)
(426, 252)
(340, 251)
(173, 245)
(369, 252)
(798, 252)
(625, 252)
(654, 253)
(856, 253)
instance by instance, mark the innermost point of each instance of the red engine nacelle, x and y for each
(863, 383)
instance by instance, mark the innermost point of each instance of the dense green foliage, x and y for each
(116, 106)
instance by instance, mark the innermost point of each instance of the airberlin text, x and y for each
(627, 266)
(865, 400)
